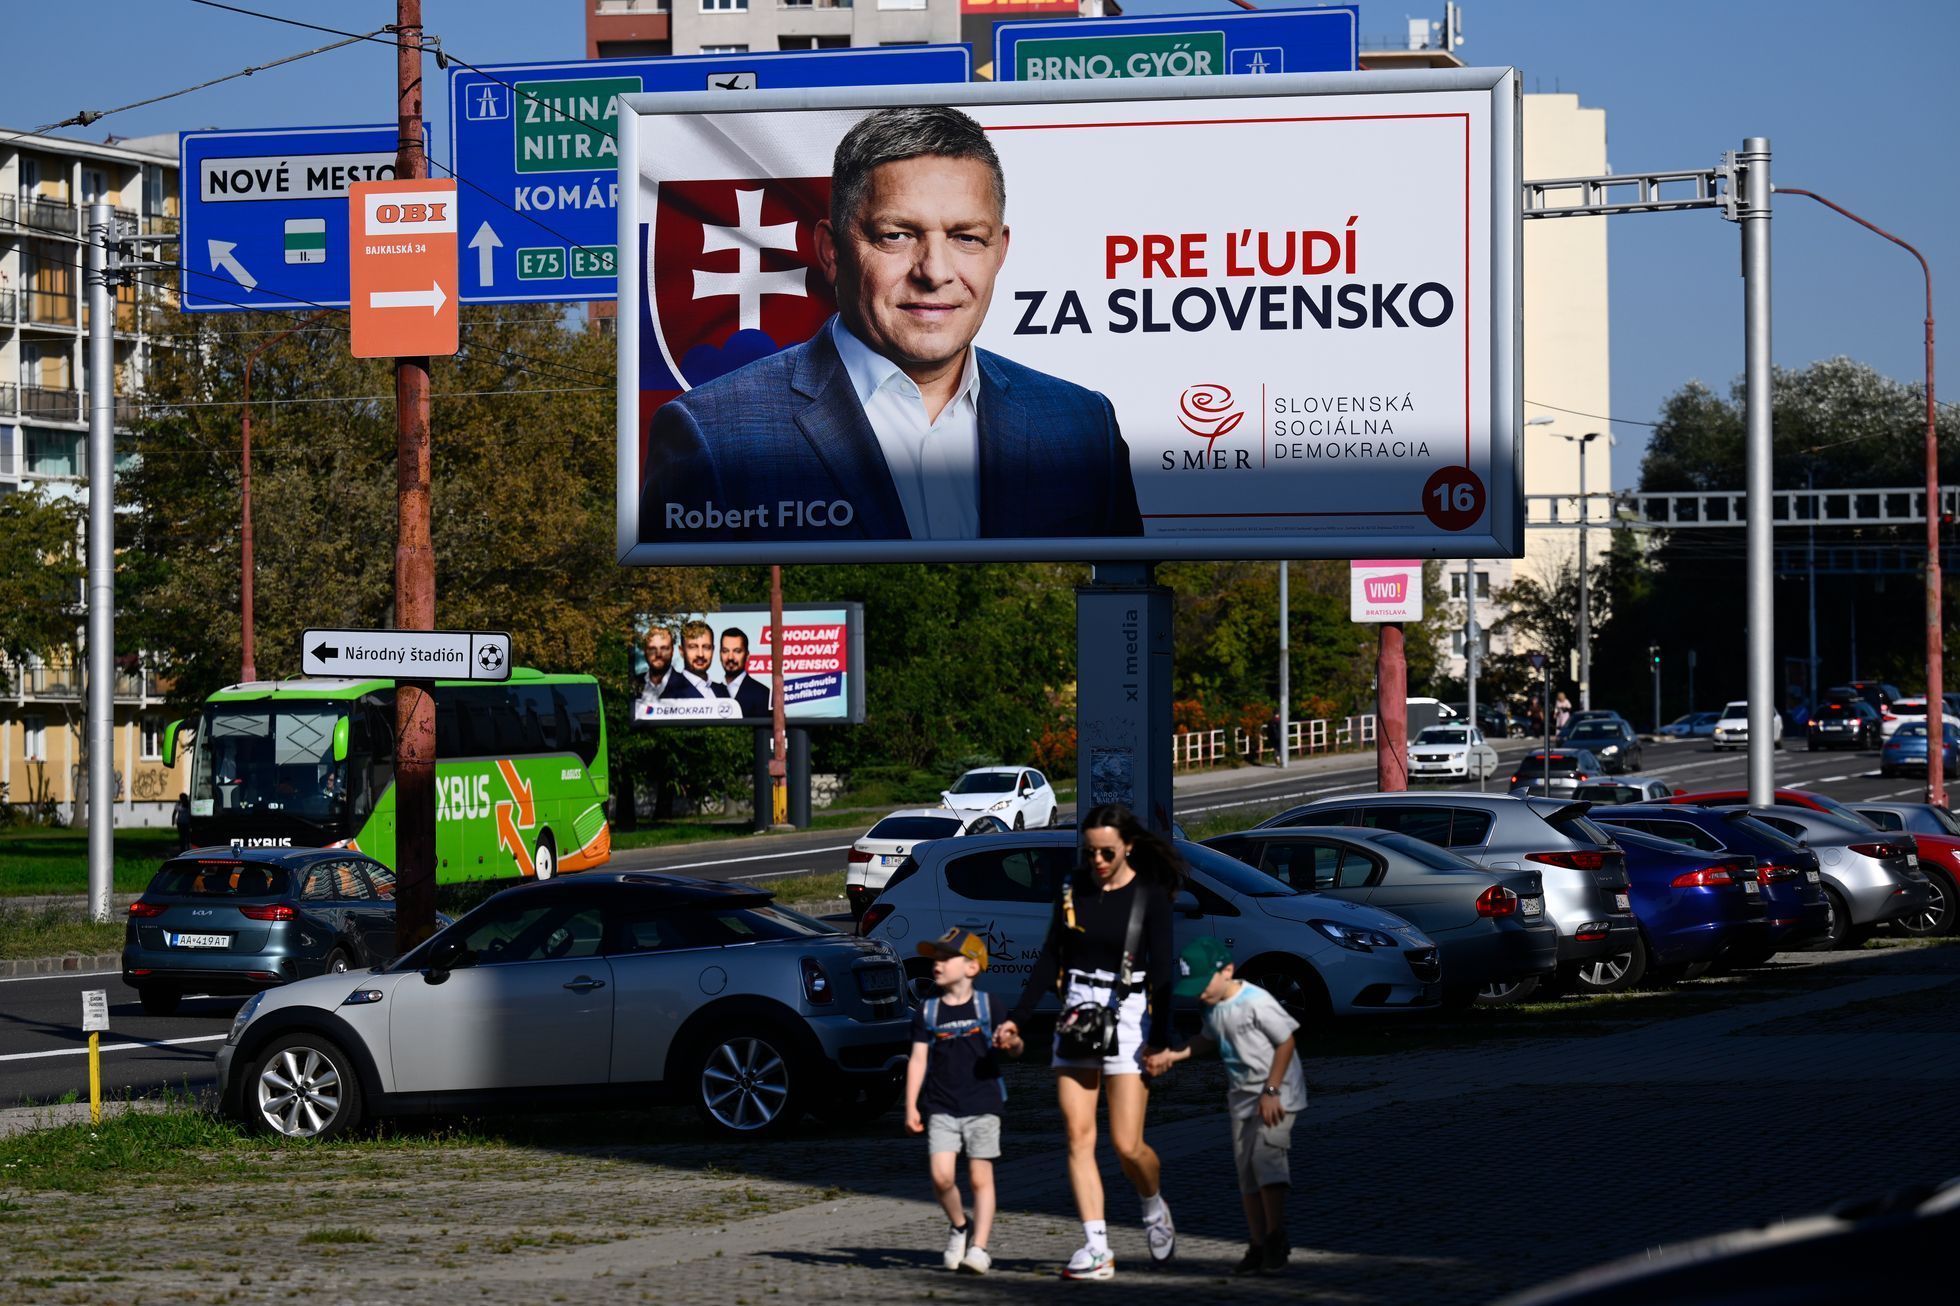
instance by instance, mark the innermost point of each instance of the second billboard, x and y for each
(727, 667)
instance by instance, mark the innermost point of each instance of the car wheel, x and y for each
(747, 1083)
(1298, 988)
(159, 1001)
(304, 1087)
(336, 963)
(1611, 974)
(1837, 928)
(545, 863)
(1936, 917)
(1020, 820)
(1504, 993)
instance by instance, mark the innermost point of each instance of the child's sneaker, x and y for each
(955, 1247)
(1161, 1234)
(1090, 1264)
(1277, 1249)
(1253, 1262)
(976, 1261)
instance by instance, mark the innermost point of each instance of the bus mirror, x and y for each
(170, 742)
(340, 740)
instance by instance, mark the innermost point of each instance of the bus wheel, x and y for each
(546, 861)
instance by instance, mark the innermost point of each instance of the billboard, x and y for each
(721, 668)
(1277, 318)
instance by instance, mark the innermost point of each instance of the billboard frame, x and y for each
(1505, 502)
(853, 611)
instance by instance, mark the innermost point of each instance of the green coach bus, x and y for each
(521, 774)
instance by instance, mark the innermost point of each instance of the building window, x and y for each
(722, 6)
(34, 738)
(724, 49)
(152, 739)
(53, 453)
(901, 4)
(1456, 584)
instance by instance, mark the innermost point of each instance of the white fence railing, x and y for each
(1195, 748)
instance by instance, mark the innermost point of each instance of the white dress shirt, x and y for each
(934, 464)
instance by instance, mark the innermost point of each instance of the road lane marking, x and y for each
(762, 857)
(138, 1045)
(1270, 798)
(60, 974)
(1829, 779)
(776, 875)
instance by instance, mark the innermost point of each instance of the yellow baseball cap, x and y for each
(957, 942)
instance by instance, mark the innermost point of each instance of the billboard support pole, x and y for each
(762, 789)
(1123, 693)
(415, 569)
(779, 753)
(799, 778)
(1392, 707)
(1285, 669)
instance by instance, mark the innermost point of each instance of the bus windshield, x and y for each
(268, 757)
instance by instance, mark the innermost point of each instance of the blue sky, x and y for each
(1859, 101)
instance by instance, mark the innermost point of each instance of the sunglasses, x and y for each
(1102, 854)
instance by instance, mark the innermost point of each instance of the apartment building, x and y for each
(46, 185)
(617, 29)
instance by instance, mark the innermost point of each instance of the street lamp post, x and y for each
(1935, 637)
(1585, 578)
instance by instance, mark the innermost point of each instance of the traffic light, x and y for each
(1654, 652)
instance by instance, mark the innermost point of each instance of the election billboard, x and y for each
(1270, 317)
(726, 668)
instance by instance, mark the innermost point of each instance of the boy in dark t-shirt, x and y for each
(954, 1063)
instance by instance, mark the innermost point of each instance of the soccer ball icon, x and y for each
(489, 657)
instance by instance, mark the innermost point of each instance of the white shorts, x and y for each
(1099, 987)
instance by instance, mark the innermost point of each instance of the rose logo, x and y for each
(1206, 411)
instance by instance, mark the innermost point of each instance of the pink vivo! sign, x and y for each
(1385, 590)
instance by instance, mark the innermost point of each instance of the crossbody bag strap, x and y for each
(1132, 936)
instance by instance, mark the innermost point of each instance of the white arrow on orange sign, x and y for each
(432, 299)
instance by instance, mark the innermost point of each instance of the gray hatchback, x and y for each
(238, 920)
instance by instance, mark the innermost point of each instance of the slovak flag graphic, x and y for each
(732, 276)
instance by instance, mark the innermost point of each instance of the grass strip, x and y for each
(46, 860)
(55, 931)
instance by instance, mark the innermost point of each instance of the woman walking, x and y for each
(1110, 944)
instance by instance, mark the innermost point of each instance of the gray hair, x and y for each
(893, 135)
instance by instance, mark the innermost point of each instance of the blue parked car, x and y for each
(1693, 725)
(1906, 749)
(239, 920)
(1692, 907)
(1792, 880)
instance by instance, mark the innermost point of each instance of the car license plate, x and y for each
(1534, 906)
(1912, 859)
(1813, 876)
(197, 940)
(1623, 902)
(883, 979)
(888, 859)
(1750, 886)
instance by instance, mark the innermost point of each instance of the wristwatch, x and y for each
(1270, 1090)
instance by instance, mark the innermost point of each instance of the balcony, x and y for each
(56, 216)
(67, 683)
(45, 404)
(160, 224)
(9, 301)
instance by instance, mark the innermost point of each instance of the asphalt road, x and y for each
(43, 1050)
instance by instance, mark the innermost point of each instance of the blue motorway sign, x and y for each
(1188, 45)
(265, 213)
(535, 152)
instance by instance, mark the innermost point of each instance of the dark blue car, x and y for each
(1693, 906)
(1907, 749)
(1788, 873)
(238, 920)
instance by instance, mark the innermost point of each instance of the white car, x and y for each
(884, 847)
(1449, 752)
(1732, 731)
(1318, 955)
(1020, 796)
(1908, 709)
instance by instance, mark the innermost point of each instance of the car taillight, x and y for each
(146, 909)
(277, 911)
(816, 984)
(1580, 775)
(873, 917)
(1594, 861)
(1497, 901)
(1707, 877)
(1771, 872)
(1878, 850)
(856, 856)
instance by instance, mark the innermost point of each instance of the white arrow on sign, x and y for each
(222, 259)
(433, 299)
(483, 242)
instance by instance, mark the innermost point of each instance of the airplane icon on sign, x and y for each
(731, 81)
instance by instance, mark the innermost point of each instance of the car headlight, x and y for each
(244, 1016)
(1002, 805)
(1351, 937)
(1608, 750)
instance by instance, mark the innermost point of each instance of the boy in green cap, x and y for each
(1254, 1036)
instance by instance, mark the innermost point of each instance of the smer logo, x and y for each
(1206, 411)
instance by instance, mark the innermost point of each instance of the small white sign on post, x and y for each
(407, 654)
(95, 1011)
(1385, 590)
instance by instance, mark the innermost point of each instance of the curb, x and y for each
(61, 965)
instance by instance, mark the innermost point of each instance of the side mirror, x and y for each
(442, 959)
(170, 742)
(340, 740)
(1186, 904)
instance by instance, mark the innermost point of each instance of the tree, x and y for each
(41, 575)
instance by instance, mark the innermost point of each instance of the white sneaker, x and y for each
(955, 1248)
(976, 1261)
(1161, 1234)
(1087, 1264)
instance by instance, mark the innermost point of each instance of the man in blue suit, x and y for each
(888, 423)
(737, 683)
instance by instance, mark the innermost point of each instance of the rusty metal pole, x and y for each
(1392, 708)
(779, 754)
(415, 569)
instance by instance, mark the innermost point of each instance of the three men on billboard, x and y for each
(889, 423)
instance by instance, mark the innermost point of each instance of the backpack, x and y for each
(982, 1010)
